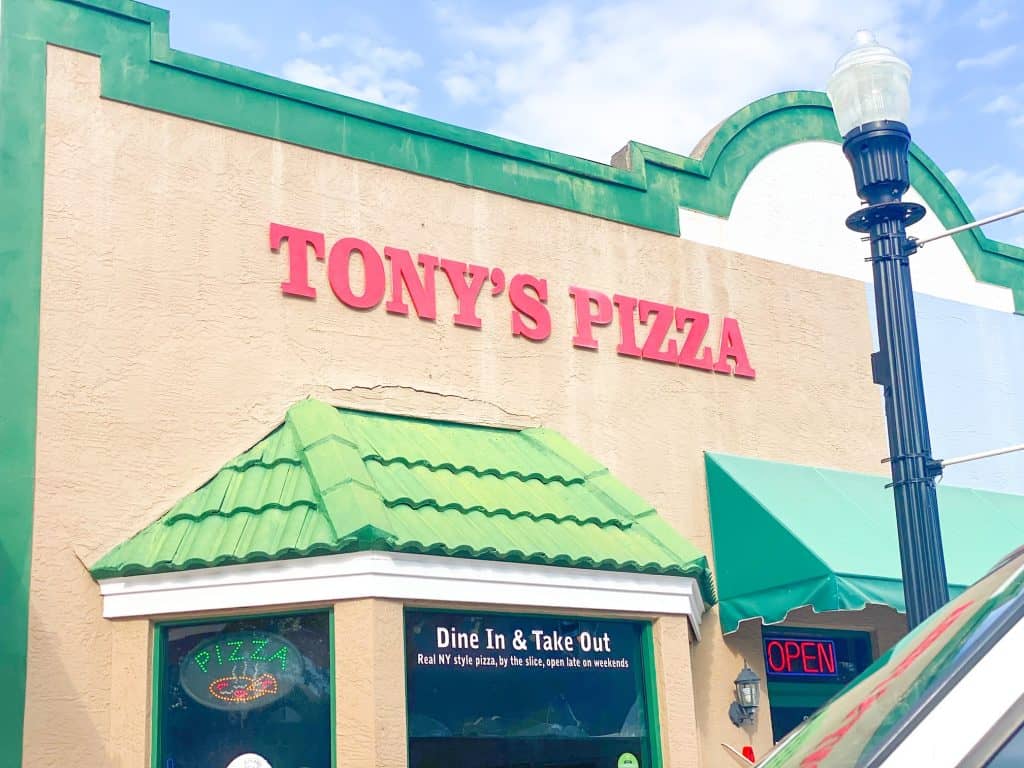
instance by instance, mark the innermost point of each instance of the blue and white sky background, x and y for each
(585, 77)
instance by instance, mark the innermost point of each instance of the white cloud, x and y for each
(231, 35)
(989, 60)
(957, 176)
(369, 72)
(997, 19)
(308, 43)
(466, 79)
(986, 14)
(1011, 104)
(993, 190)
(585, 82)
(460, 88)
(1001, 103)
(358, 81)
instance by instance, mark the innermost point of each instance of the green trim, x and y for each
(158, 684)
(648, 659)
(22, 82)
(334, 689)
(158, 668)
(990, 261)
(139, 68)
(793, 694)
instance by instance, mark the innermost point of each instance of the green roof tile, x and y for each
(332, 480)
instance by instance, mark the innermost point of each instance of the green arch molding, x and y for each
(138, 67)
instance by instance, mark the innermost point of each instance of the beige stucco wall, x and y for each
(130, 692)
(369, 665)
(167, 348)
(676, 702)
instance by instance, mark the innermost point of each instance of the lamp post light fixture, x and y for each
(870, 94)
(748, 696)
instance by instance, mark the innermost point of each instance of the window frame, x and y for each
(157, 676)
(648, 678)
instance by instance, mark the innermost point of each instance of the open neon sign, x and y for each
(800, 656)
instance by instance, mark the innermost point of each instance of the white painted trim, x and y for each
(328, 578)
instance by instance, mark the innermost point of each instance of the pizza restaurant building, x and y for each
(339, 436)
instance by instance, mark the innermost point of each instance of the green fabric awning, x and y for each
(786, 536)
(330, 480)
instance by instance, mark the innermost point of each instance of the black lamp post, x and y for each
(869, 91)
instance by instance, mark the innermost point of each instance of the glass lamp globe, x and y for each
(748, 688)
(870, 84)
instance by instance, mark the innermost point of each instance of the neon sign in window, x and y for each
(800, 657)
(246, 692)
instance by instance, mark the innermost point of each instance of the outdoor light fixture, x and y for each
(870, 94)
(748, 695)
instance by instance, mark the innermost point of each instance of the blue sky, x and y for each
(586, 77)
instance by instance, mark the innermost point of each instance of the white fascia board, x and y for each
(329, 578)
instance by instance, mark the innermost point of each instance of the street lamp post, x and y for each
(869, 91)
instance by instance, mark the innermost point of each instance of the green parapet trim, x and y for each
(331, 480)
(22, 99)
(990, 261)
(710, 183)
(786, 536)
(138, 67)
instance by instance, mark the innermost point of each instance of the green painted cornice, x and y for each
(139, 67)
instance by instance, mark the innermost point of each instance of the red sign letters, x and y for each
(648, 330)
(800, 656)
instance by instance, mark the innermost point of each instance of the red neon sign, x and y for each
(804, 656)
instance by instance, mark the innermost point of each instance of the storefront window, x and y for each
(807, 667)
(247, 693)
(488, 690)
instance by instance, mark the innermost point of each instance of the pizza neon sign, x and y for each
(238, 689)
(241, 670)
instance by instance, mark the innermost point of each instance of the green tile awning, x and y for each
(786, 536)
(330, 480)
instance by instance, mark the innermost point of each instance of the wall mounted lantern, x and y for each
(748, 696)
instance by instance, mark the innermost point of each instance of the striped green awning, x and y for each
(330, 480)
(786, 536)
